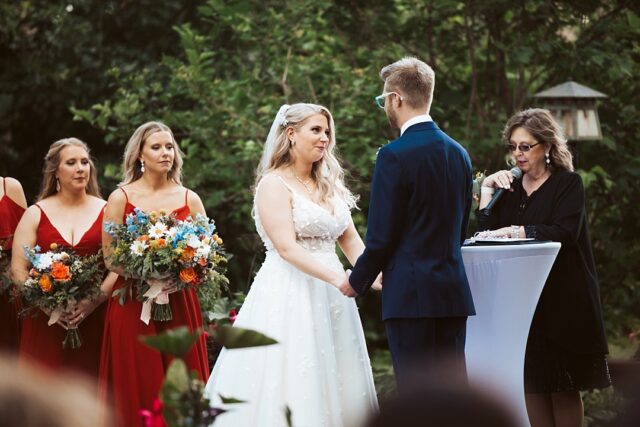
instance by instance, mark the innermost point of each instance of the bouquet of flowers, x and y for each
(159, 249)
(58, 278)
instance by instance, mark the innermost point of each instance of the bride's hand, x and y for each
(377, 284)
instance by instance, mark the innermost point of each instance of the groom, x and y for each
(418, 214)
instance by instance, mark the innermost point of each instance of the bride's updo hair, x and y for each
(326, 172)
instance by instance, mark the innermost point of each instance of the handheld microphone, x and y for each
(517, 174)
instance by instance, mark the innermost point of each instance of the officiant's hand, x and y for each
(345, 286)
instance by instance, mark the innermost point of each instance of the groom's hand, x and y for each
(346, 288)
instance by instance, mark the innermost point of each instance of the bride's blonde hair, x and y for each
(327, 172)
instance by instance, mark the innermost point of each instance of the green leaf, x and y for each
(233, 337)
(176, 342)
(288, 416)
(230, 400)
(177, 376)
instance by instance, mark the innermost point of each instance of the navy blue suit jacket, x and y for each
(418, 217)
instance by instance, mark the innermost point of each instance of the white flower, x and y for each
(44, 261)
(193, 241)
(158, 230)
(171, 233)
(203, 252)
(137, 248)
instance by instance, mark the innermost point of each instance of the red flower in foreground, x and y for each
(153, 418)
(232, 315)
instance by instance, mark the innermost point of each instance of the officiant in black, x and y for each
(567, 347)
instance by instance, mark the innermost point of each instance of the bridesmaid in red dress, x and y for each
(12, 206)
(131, 373)
(69, 213)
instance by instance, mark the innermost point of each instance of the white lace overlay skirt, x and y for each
(319, 368)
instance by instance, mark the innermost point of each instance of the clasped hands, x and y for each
(347, 290)
(78, 311)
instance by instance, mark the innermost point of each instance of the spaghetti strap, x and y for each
(126, 196)
(186, 195)
(285, 183)
(39, 207)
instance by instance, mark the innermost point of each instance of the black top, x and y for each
(569, 310)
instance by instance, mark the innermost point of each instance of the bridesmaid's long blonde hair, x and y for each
(131, 165)
(327, 172)
(49, 185)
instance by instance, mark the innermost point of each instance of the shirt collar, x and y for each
(415, 120)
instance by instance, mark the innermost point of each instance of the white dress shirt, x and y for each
(422, 118)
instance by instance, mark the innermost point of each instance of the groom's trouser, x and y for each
(427, 349)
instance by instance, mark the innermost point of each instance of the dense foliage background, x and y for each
(217, 71)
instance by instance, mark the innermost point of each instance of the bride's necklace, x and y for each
(304, 183)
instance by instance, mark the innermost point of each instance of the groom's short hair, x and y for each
(413, 78)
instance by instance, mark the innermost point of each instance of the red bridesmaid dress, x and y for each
(131, 374)
(10, 214)
(43, 343)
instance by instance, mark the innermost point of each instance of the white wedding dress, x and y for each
(320, 368)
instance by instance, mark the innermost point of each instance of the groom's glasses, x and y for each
(522, 147)
(380, 98)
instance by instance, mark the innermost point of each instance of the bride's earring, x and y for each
(547, 160)
(57, 184)
(293, 143)
(141, 165)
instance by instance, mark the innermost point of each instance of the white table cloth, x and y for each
(506, 282)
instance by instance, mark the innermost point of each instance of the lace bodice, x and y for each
(316, 228)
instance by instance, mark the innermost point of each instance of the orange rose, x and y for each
(144, 238)
(188, 275)
(60, 272)
(202, 262)
(45, 283)
(188, 253)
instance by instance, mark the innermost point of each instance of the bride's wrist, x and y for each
(337, 279)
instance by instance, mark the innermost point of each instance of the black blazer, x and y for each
(418, 216)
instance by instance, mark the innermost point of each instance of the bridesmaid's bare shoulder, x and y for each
(15, 191)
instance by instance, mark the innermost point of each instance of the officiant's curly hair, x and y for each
(50, 185)
(326, 172)
(131, 165)
(545, 130)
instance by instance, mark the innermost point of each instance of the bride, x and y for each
(319, 370)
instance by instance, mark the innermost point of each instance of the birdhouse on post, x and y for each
(574, 107)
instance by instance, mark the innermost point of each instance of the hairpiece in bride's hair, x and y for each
(280, 121)
(281, 116)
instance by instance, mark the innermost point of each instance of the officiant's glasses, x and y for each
(380, 98)
(522, 147)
